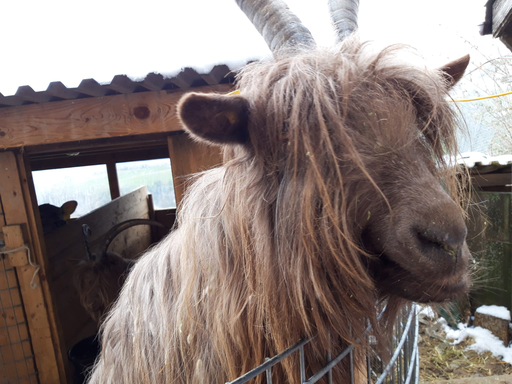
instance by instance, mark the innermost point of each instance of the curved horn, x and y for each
(277, 24)
(118, 228)
(344, 16)
(86, 231)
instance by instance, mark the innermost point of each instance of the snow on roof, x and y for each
(472, 159)
(122, 84)
(66, 42)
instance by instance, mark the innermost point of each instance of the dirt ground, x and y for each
(439, 360)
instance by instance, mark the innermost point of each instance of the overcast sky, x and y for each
(67, 40)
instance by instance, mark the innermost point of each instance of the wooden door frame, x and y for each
(16, 189)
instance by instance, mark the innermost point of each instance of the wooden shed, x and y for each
(490, 229)
(498, 21)
(63, 127)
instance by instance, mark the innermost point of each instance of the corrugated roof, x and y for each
(120, 84)
(477, 159)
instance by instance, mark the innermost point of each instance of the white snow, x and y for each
(426, 311)
(494, 310)
(470, 159)
(484, 340)
(127, 37)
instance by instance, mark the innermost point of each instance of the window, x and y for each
(87, 185)
(156, 175)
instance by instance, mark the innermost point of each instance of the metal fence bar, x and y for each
(414, 363)
(351, 356)
(368, 369)
(317, 376)
(403, 366)
(412, 366)
(268, 364)
(302, 364)
(398, 347)
(329, 357)
(416, 336)
(268, 372)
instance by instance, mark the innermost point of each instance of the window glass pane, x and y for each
(87, 185)
(156, 175)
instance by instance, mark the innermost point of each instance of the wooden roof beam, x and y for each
(93, 118)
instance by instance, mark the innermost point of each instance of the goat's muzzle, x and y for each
(422, 253)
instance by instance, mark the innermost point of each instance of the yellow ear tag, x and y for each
(237, 92)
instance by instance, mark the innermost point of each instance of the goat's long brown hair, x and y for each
(268, 249)
(98, 283)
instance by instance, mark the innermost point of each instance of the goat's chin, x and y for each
(391, 279)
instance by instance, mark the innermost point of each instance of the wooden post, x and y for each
(360, 367)
(189, 157)
(16, 351)
(93, 118)
(35, 230)
(34, 303)
(14, 240)
(113, 180)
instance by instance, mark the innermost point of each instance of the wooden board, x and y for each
(189, 157)
(27, 185)
(167, 217)
(93, 118)
(113, 180)
(34, 304)
(2, 220)
(492, 180)
(40, 161)
(65, 249)
(501, 16)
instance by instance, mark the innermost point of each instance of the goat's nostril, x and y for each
(450, 242)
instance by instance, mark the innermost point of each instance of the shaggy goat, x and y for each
(99, 280)
(334, 196)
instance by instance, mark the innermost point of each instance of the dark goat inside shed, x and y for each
(99, 280)
(334, 196)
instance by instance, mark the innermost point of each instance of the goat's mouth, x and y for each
(420, 270)
(393, 279)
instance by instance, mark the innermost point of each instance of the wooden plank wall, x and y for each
(501, 16)
(16, 356)
(14, 200)
(34, 227)
(93, 118)
(189, 157)
(490, 242)
(65, 249)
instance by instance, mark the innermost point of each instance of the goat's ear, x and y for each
(68, 208)
(219, 119)
(453, 71)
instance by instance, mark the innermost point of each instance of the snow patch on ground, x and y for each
(426, 311)
(494, 310)
(484, 340)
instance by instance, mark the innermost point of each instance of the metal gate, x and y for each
(403, 367)
(16, 357)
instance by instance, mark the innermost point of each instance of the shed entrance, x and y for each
(27, 353)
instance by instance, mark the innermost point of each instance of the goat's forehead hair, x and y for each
(348, 62)
(327, 104)
(353, 79)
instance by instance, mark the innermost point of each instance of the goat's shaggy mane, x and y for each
(98, 283)
(286, 240)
